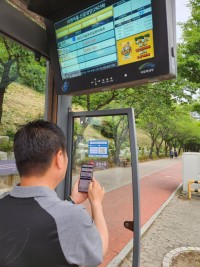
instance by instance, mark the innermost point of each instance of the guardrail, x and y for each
(190, 190)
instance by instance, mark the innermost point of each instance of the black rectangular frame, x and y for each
(134, 164)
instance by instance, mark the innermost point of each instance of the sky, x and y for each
(182, 14)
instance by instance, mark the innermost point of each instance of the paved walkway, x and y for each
(176, 226)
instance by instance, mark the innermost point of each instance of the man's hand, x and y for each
(76, 196)
(95, 192)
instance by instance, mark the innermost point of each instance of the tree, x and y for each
(120, 134)
(95, 101)
(8, 69)
(17, 62)
(188, 129)
(116, 129)
(157, 115)
(153, 105)
(189, 50)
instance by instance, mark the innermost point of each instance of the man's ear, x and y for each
(59, 159)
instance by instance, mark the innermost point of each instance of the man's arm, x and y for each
(95, 195)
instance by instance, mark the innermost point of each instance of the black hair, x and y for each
(35, 144)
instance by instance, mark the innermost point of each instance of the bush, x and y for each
(6, 146)
(142, 158)
(10, 133)
(34, 76)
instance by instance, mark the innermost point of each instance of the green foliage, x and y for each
(33, 75)
(79, 101)
(142, 158)
(196, 106)
(10, 132)
(95, 101)
(189, 50)
(6, 146)
(107, 129)
(188, 131)
(22, 64)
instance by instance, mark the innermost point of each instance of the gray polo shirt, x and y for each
(39, 229)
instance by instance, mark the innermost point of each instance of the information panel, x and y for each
(104, 36)
(98, 148)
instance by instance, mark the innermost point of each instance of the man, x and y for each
(37, 229)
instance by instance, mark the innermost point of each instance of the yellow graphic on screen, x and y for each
(135, 48)
(125, 50)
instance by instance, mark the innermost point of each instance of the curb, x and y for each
(124, 252)
(175, 252)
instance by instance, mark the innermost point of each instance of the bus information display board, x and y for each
(110, 44)
(103, 37)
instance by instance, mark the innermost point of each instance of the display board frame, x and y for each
(160, 67)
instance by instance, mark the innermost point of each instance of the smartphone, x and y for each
(85, 177)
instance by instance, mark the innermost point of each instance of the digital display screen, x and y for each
(103, 36)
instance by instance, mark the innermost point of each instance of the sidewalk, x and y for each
(176, 226)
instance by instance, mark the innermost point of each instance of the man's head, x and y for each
(35, 145)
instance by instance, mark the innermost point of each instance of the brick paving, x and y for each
(176, 226)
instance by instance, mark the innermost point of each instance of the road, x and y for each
(114, 178)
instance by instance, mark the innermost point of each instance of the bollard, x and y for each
(190, 190)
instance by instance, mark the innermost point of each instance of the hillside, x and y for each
(22, 104)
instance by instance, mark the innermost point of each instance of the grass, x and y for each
(21, 104)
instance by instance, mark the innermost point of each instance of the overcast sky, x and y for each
(182, 14)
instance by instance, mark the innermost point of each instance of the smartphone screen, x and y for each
(85, 177)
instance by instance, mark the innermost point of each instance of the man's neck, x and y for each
(37, 181)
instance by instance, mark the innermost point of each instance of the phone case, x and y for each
(85, 177)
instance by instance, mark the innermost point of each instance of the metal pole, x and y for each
(64, 104)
